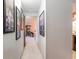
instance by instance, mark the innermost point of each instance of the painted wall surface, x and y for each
(58, 29)
(20, 41)
(13, 49)
(20, 44)
(74, 17)
(9, 46)
(41, 39)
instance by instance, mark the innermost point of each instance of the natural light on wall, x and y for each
(18, 3)
(74, 17)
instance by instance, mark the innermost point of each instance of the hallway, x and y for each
(37, 29)
(31, 50)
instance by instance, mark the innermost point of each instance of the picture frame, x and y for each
(42, 24)
(18, 30)
(8, 16)
(22, 20)
(24, 29)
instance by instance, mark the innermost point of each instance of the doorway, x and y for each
(30, 29)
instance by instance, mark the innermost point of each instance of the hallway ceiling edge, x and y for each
(31, 6)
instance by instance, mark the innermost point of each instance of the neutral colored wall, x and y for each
(20, 44)
(58, 29)
(41, 39)
(30, 14)
(9, 46)
(12, 48)
(20, 41)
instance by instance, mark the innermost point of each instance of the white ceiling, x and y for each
(31, 6)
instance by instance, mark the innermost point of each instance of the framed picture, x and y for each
(8, 16)
(22, 20)
(42, 24)
(24, 29)
(18, 30)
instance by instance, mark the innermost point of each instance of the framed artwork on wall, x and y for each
(22, 20)
(18, 30)
(23, 26)
(8, 16)
(24, 29)
(42, 24)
